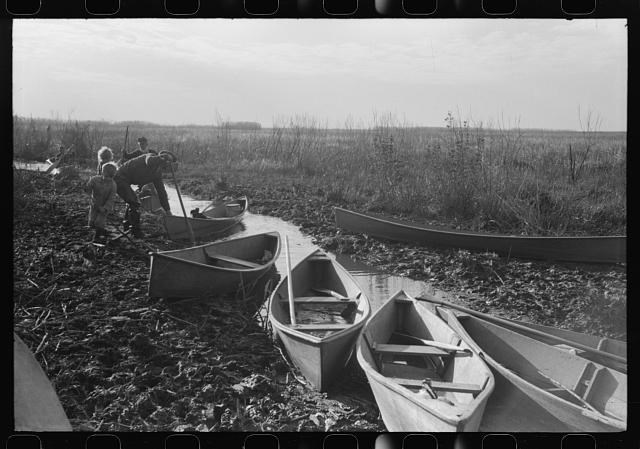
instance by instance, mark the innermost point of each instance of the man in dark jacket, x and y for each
(143, 148)
(142, 170)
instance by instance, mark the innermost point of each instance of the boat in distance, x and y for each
(218, 218)
(540, 387)
(213, 268)
(587, 249)
(330, 311)
(425, 377)
(36, 406)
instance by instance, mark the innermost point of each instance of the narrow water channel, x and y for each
(377, 285)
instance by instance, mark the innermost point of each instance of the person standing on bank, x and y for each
(103, 195)
(141, 170)
(143, 148)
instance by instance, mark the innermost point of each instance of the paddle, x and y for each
(435, 344)
(186, 219)
(292, 311)
(525, 329)
(333, 293)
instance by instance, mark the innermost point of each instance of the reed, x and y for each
(484, 177)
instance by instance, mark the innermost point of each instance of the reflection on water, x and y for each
(377, 285)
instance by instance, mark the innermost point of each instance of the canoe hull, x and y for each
(320, 362)
(185, 273)
(403, 410)
(320, 359)
(35, 403)
(609, 249)
(519, 405)
(220, 219)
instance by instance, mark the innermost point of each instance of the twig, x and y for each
(291, 367)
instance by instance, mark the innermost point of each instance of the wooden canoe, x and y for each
(402, 347)
(220, 218)
(36, 407)
(331, 310)
(212, 268)
(605, 249)
(610, 345)
(539, 387)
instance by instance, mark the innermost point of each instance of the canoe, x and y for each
(331, 310)
(212, 268)
(539, 387)
(603, 249)
(609, 345)
(36, 407)
(424, 377)
(220, 218)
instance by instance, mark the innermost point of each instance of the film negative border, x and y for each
(410, 9)
(343, 440)
(300, 9)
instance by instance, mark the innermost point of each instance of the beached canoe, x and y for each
(424, 377)
(608, 345)
(330, 309)
(608, 249)
(36, 407)
(219, 218)
(213, 268)
(539, 387)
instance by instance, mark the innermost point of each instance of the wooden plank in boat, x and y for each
(442, 386)
(319, 300)
(233, 260)
(412, 350)
(321, 327)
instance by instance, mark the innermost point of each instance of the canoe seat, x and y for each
(318, 259)
(211, 258)
(319, 300)
(320, 327)
(455, 387)
(414, 350)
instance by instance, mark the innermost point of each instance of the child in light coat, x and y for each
(104, 155)
(103, 195)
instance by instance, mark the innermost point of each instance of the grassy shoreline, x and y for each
(530, 182)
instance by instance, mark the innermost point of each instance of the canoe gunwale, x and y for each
(573, 249)
(476, 234)
(228, 222)
(358, 324)
(514, 378)
(462, 412)
(169, 255)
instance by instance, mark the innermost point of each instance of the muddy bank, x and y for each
(580, 297)
(122, 361)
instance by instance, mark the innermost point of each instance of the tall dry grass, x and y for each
(490, 178)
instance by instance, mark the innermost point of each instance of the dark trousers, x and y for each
(132, 214)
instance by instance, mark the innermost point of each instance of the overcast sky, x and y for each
(537, 73)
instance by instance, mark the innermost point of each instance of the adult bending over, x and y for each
(142, 170)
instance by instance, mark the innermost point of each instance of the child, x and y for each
(103, 195)
(104, 155)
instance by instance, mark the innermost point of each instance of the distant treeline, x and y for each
(240, 125)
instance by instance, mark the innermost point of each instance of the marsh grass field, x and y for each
(466, 175)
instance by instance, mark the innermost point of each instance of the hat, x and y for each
(168, 156)
(142, 139)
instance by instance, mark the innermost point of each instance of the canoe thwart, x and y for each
(416, 350)
(320, 300)
(220, 257)
(455, 387)
(321, 327)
